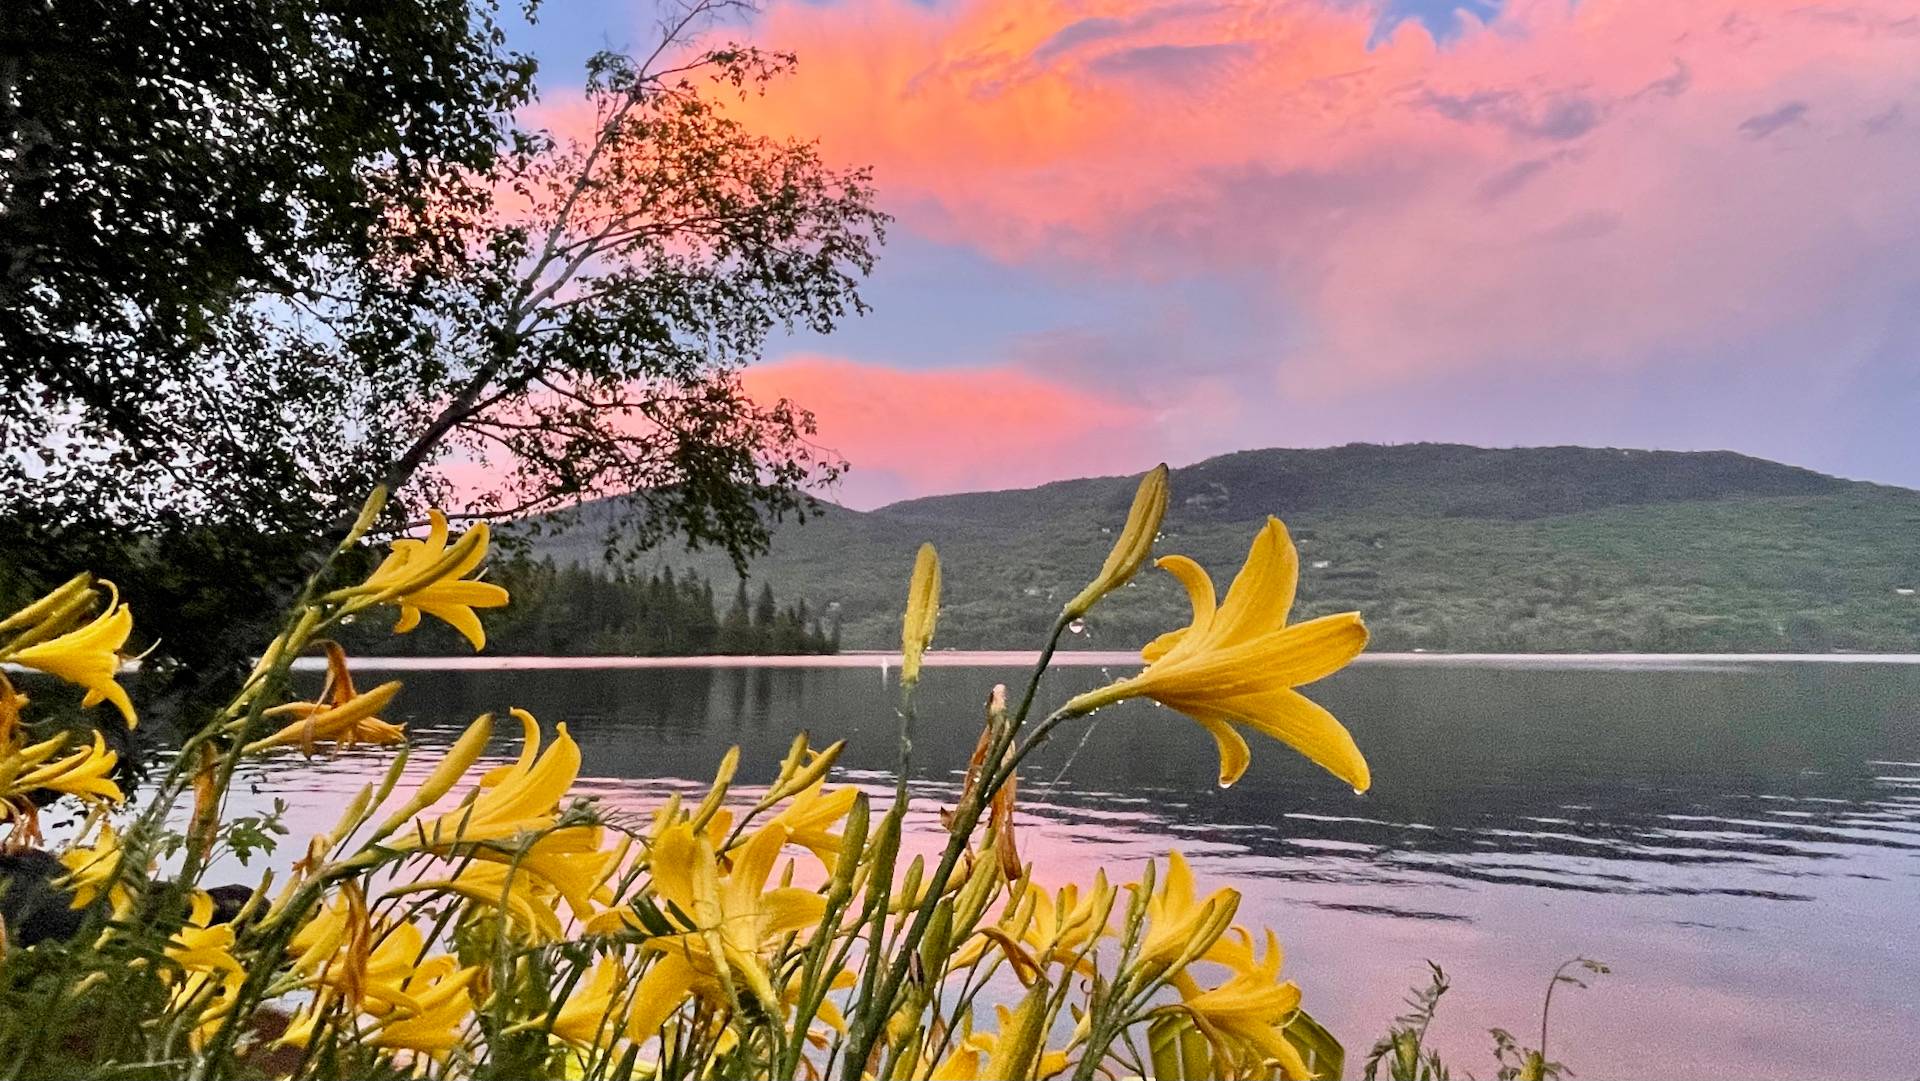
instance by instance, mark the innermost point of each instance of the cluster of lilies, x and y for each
(482, 919)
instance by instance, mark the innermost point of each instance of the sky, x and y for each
(1131, 231)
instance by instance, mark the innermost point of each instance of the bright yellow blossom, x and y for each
(1238, 664)
(1176, 920)
(442, 1008)
(88, 656)
(1247, 1014)
(429, 576)
(1045, 928)
(342, 717)
(518, 800)
(91, 867)
(83, 774)
(734, 917)
(527, 905)
(402, 1001)
(811, 817)
(209, 976)
(588, 1018)
(421, 1008)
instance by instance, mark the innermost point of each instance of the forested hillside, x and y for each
(576, 611)
(1442, 547)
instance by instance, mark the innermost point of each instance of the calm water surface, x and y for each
(1739, 840)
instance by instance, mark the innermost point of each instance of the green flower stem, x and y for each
(816, 975)
(867, 1025)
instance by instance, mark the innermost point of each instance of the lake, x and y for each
(1738, 838)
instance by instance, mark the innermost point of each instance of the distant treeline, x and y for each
(573, 611)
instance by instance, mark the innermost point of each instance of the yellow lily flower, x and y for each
(1248, 1013)
(1045, 928)
(343, 716)
(373, 969)
(429, 576)
(735, 917)
(210, 977)
(811, 816)
(1238, 664)
(1176, 920)
(11, 702)
(526, 905)
(400, 1001)
(88, 656)
(587, 1018)
(444, 1007)
(520, 799)
(91, 867)
(1064, 925)
(413, 1007)
(82, 775)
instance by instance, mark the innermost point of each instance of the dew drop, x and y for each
(1078, 626)
(1360, 792)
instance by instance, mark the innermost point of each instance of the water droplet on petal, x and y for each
(1360, 792)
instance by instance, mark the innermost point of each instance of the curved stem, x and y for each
(1040, 668)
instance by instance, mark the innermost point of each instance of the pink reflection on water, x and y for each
(1704, 984)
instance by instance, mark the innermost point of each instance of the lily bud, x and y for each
(460, 757)
(63, 601)
(853, 840)
(1134, 544)
(923, 610)
(1018, 1044)
(722, 780)
(369, 513)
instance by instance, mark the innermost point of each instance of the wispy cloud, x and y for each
(1764, 124)
(908, 433)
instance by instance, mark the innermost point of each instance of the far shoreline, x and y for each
(1089, 658)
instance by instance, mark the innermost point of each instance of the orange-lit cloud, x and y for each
(1595, 185)
(908, 433)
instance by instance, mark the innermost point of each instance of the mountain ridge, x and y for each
(1442, 546)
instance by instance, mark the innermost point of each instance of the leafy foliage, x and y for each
(176, 178)
(172, 178)
(1402, 1049)
(245, 280)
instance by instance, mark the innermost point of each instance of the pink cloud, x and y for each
(911, 432)
(1590, 185)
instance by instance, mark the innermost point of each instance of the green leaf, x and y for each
(1324, 1055)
